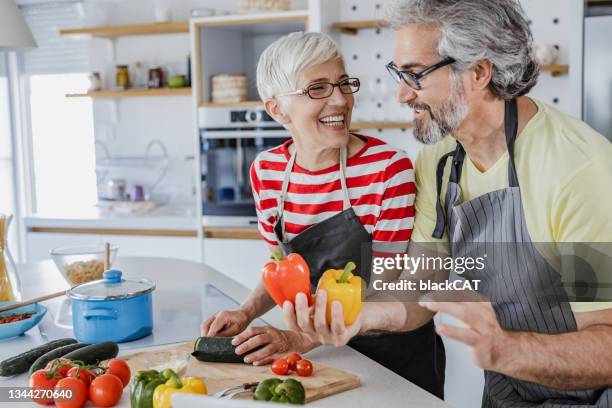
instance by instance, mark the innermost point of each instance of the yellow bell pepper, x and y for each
(162, 396)
(341, 285)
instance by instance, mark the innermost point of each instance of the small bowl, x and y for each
(82, 263)
(20, 327)
(177, 360)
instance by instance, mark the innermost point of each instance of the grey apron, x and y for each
(525, 291)
(418, 355)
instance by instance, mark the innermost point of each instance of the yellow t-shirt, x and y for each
(565, 172)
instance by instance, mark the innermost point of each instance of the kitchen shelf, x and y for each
(132, 93)
(245, 104)
(353, 27)
(129, 30)
(380, 125)
(231, 233)
(555, 70)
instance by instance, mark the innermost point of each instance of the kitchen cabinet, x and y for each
(238, 259)
(40, 243)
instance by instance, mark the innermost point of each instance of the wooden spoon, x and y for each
(32, 301)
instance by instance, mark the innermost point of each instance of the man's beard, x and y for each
(443, 120)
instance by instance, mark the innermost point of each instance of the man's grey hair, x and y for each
(281, 64)
(476, 30)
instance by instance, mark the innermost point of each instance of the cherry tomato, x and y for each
(106, 390)
(74, 393)
(121, 369)
(44, 380)
(304, 368)
(292, 359)
(80, 373)
(280, 366)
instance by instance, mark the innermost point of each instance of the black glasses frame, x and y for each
(306, 91)
(399, 75)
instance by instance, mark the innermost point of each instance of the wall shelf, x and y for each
(380, 125)
(132, 93)
(245, 104)
(129, 30)
(353, 27)
(555, 70)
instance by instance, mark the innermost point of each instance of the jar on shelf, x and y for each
(122, 77)
(10, 289)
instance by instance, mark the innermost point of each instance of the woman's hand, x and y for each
(272, 343)
(226, 323)
(313, 323)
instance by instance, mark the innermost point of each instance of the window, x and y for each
(61, 128)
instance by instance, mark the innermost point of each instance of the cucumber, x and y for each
(20, 363)
(94, 353)
(41, 362)
(216, 350)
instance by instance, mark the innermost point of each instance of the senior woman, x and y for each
(327, 194)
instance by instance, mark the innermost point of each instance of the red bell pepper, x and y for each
(285, 277)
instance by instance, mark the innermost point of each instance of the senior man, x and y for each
(501, 168)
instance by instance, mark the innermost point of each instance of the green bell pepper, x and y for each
(143, 387)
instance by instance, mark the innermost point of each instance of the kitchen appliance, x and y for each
(112, 309)
(326, 381)
(230, 139)
(597, 101)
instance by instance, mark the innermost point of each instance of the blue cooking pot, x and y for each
(112, 309)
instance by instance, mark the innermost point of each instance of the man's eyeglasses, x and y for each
(322, 90)
(412, 79)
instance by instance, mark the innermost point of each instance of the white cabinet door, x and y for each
(240, 259)
(40, 243)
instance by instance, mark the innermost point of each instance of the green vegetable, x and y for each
(42, 361)
(94, 353)
(216, 350)
(143, 386)
(289, 391)
(20, 363)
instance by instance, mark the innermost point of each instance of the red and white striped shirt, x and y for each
(380, 182)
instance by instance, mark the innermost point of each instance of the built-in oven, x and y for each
(230, 139)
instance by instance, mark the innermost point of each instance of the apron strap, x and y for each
(511, 127)
(440, 213)
(285, 187)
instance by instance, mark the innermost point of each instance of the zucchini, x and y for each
(41, 362)
(94, 353)
(20, 363)
(216, 350)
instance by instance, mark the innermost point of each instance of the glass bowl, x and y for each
(82, 263)
(177, 360)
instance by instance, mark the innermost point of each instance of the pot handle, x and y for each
(107, 314)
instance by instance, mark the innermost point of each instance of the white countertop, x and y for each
(163, 218)
(179, 303)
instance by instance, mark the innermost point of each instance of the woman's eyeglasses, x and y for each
(413, 79)
(322, 90)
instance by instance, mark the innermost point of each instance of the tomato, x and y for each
(280, 366)
(80, 373)
(42, 379)
(121, 369)
(74, 393)
(106, 390)
(292, 359)
(61, 366)
(304, 368)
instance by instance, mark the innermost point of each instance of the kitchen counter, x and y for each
(179, 306)
(163, 218)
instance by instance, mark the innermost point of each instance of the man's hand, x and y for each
(482, 333)
(225, 323)
(313, 322)
(272, 343)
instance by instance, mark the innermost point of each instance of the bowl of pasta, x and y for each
(82, 263)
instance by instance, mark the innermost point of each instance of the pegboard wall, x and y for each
(367, 53)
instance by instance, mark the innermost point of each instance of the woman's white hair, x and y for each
(281, 64)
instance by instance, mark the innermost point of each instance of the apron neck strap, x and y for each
(511, 128)
(287, 176)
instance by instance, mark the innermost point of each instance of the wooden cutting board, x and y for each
(324, 382)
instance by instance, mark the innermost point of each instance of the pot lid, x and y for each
(112, 286)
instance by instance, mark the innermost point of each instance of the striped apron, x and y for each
(525, 291)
